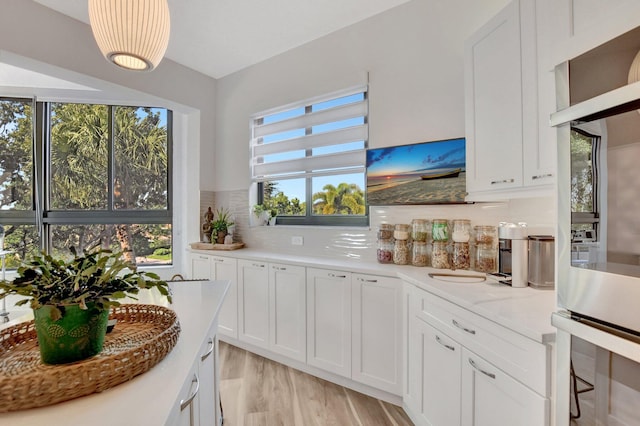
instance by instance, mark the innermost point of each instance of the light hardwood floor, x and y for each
(256, 391)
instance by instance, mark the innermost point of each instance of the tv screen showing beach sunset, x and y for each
(423, 173)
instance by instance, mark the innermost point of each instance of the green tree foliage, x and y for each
(79, 170)
(279, 203)
(581, 173)
(347, 198)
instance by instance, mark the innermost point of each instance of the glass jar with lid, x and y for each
(461, 230)
(440, 230)
(420, 229)
(440, 255)
(486, 259)
(401, 253)
(420, 254)
(401, 231)
(486, 234)
(385, 250)
(460, 259)
(385, 231)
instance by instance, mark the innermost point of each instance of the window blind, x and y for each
(318, 137)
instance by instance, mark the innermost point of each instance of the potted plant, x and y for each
(272, 216)
(71, 299)
(220, 225)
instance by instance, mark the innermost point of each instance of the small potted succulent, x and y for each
(220, 225)
(71, 299)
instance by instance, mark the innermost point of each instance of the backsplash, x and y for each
(360, 243)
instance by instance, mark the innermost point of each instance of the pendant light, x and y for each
(132, 34)
(634, 71)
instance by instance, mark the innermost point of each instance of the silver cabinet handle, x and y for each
(439, 340)
(218, 260)
(186, 402)
(209, 352)
(367, 281)
(486, 373)
(468, 330)
(279, 268)
(495, 182)
(542, 176)
(203, 257)
(258, 265)
(337, 276)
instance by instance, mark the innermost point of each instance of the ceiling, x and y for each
(219, 37)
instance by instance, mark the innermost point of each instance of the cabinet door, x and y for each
(493, 103)
(253, 302)
(225, 268)
(329, 320)
(377, 332)
(200, 266)
(207, 373)
(287, 308)
(440, 378)
(186, 411)
(491, 397)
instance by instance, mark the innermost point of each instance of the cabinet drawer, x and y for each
(516, 355)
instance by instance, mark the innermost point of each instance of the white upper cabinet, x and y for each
(510, 146)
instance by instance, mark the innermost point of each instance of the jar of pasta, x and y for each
(440, 255)
(460, 258)
(401, 252)
(440, 230)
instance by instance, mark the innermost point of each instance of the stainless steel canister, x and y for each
(541, 261)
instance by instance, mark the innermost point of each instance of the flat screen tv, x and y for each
(421, 173)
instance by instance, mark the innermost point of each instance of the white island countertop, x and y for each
(149, 398)
(526, 311)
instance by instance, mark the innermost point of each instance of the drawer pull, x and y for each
(367, 281)
(279, 268)
(337, 276)
(486, 373)
(468, 330)
(186, 402)
(547, 175)
(209, 352)
(439, 340)
(495, 182)
(258, 265)
(218, 260)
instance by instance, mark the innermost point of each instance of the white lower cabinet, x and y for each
(329, 320)
(287, 311)
(189, 403)
(209, 394)
(207, 267)
(253, 302)
(448, 384)
(377, 332)
(435, 381)
(491, 397)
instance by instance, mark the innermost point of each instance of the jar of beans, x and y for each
(420, 254)
(385, 250)
(420, 229)
(385, 231)
(460, 258)
(486, 259)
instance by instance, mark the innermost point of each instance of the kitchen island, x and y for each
(155, 397)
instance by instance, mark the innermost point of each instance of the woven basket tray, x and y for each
(143, 336)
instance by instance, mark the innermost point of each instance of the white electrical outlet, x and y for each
(297, 241)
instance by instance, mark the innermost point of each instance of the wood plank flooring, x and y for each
(256, 391)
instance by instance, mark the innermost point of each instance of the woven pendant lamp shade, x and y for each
(634, 71)
(132, 34)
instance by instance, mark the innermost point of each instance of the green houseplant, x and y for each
(71, 299)
(220, 225)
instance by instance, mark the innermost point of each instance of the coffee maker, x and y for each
(513, 246)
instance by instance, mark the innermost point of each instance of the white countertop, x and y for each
(149, 398)
(524, 310)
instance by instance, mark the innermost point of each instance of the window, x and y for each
(584, 185)
(308, 159)
(87, 176)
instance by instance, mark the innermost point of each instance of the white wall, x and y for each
(413, 54)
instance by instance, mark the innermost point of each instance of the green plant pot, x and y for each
(79, 334)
